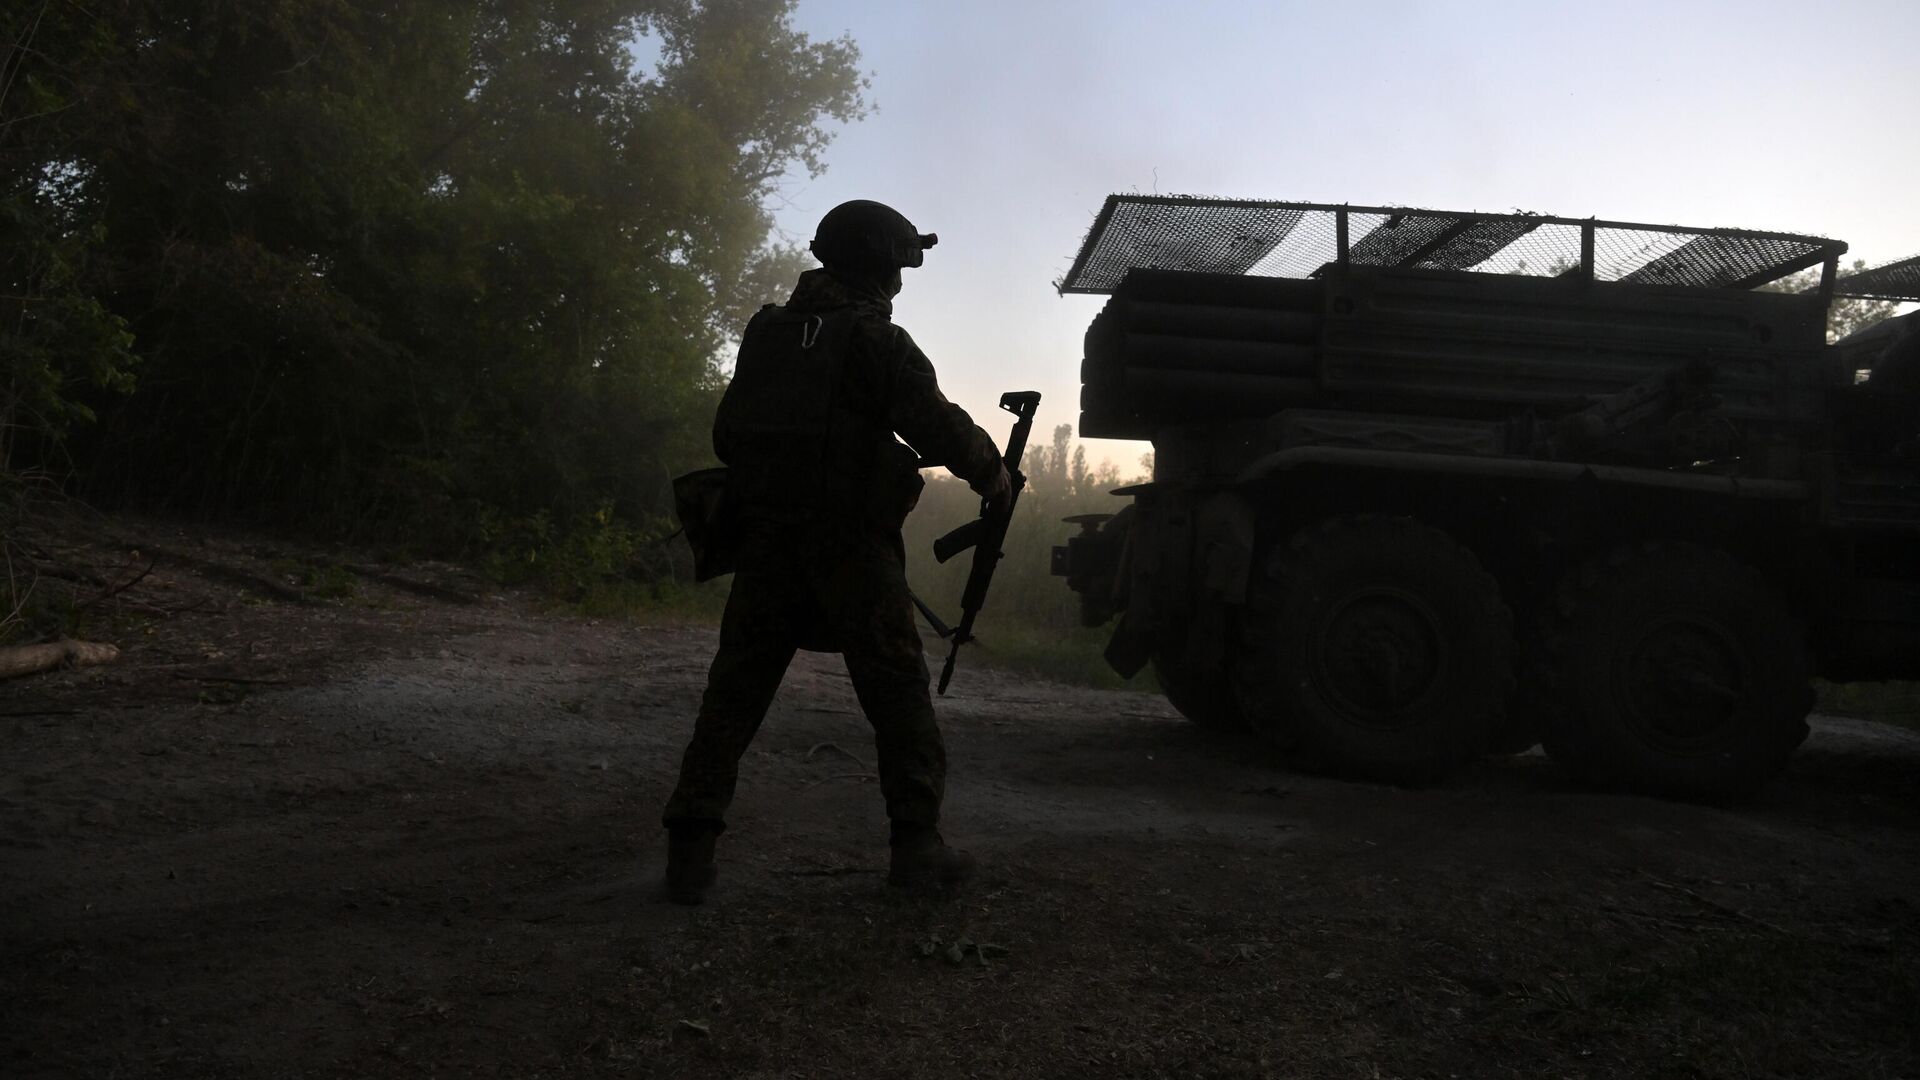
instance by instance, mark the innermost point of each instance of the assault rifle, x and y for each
(985, 533)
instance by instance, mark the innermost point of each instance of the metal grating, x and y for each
(1289, 239)
(1436, 241)
(1231, 239)
(1617, 253)
(1312, 245)
(1728, 262)
(1892, 281)
(1542, 251)
(1402, 237)
(1477, 242)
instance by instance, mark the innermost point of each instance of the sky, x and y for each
(1003, 126)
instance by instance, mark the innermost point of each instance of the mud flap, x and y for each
(1224, 525)
(1206, 552)
(1223, 561)
(1131, 645)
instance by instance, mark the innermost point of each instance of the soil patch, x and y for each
(391, 834)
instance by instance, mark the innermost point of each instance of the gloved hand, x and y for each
(998, 490)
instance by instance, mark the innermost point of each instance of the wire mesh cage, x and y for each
(1299, 240)
(1892, 281)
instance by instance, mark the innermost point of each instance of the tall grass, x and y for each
(1888, 702)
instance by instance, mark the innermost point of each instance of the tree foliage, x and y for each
(394, 263)
(1060, 470)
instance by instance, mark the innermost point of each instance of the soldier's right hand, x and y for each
(998, 490)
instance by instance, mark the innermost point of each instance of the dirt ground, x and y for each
(392, 835)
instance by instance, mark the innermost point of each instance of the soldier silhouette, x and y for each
(817, 489)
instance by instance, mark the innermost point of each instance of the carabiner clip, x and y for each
(810, 331)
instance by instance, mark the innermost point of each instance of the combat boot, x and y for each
(922, 860)
(690, 869)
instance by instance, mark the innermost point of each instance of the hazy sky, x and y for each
(1002, 126)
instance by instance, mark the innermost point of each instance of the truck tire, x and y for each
(1675, 670)
(1376, 646)
(1208, 702)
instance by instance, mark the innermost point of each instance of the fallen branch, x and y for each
(201, 676)
(1692, 924)
(860, 776)
(32, 659)
(836, 748)
(73, 574)
(16, 593)
(407, 584)
(165, 612)
(113, 590)
(221, 571)
(1718, 908)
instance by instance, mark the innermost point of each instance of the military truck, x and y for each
(1430, 484)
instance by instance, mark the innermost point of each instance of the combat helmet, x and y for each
(868, 235)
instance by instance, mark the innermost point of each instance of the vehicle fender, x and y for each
(1190, 557)
(1223, 546)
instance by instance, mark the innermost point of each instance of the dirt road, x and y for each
(391, 836)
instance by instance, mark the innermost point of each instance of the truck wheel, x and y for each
(1208, 702)
(1379, 647)
(1673, 669)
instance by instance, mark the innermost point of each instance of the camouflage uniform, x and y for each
(828, 572)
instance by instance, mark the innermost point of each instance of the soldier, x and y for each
(818, 488)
